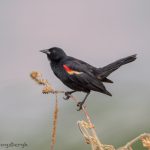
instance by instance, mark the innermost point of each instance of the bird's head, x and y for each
(54, 53)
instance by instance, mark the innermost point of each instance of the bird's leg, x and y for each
(68, 94)
(80, 104)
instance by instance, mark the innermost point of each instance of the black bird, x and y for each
(81, 76)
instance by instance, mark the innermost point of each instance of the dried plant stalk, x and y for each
(38, 78)
(146, 141)
(145, 138)
(97, 145)
(86, 127)
(48, 89)
(55, 116)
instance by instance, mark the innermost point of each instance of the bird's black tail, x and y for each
(107, 70)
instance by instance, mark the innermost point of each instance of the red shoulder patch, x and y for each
(70, 71)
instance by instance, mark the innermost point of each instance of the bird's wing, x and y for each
(81, 73)
(75, 66)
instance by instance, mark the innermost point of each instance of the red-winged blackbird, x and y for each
(79, 75)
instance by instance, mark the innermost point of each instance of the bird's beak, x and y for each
(46, 51)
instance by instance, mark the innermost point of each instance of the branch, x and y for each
(86, 127)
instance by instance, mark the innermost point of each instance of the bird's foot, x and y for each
(67, 95)
(80, 105)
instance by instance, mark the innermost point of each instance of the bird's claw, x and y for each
(67, 96)
(79, 105)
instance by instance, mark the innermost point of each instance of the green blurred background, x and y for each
(98, 32)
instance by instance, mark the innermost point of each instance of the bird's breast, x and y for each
(59, 71)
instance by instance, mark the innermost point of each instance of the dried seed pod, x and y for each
(47, 89)
(35, 74)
